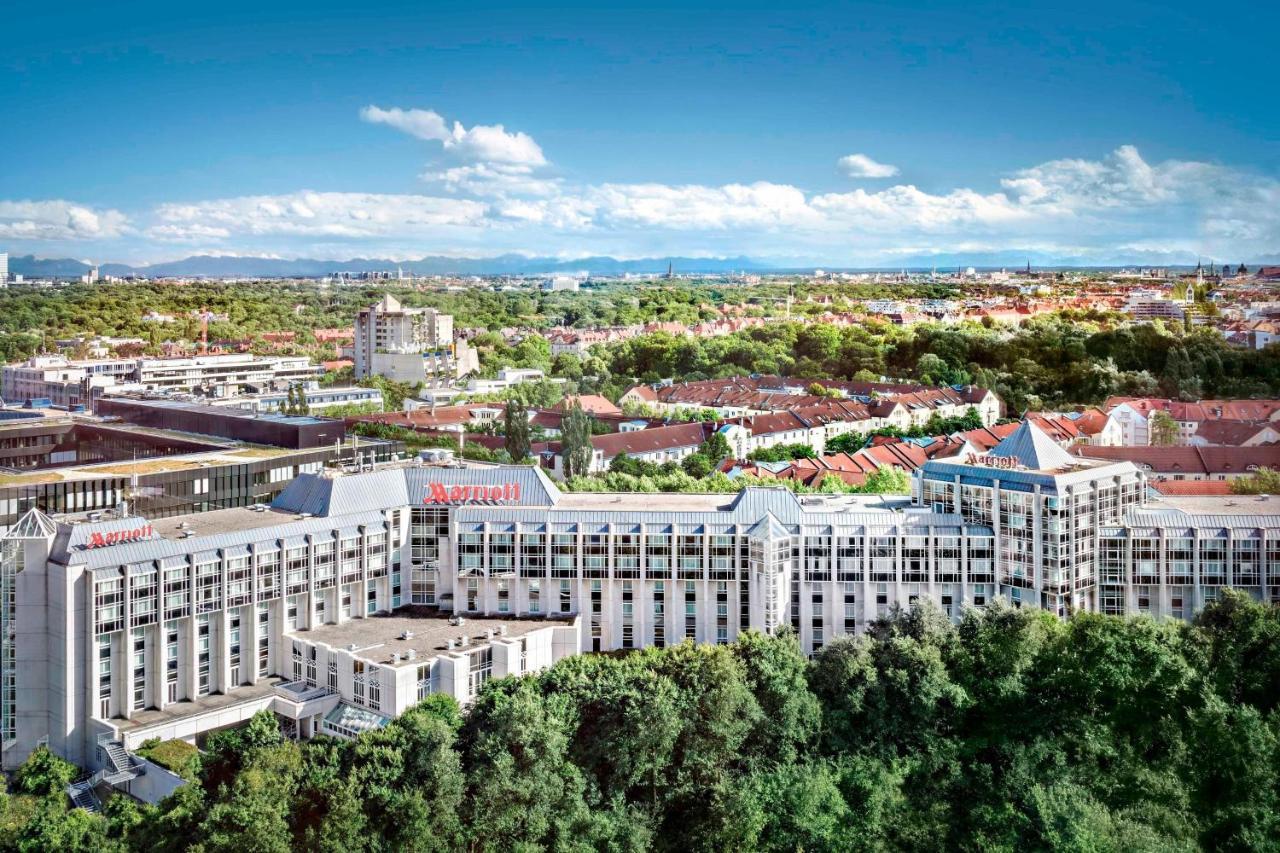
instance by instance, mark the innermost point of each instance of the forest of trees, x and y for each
(1050, 361)
(1055, 360)
(1012, 731)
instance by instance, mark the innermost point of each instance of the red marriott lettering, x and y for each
(442, 494)
(97, 540)
(1007, 462)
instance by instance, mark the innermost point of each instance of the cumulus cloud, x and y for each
(478, 143)
(1119, 205)
(352, 216)
(862, 166)
(59, 220)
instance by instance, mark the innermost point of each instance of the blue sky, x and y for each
(841, 134)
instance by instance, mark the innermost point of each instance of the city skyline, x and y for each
(840, 137)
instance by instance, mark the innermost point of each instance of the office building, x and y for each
(355, 595)
(4, 269)
(53, 380)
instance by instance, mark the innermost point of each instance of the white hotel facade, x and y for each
(355, 595)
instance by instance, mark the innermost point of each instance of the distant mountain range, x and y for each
(227, 266)
(230, 266)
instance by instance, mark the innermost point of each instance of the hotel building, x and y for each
(355, 595)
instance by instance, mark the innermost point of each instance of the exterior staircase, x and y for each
(118, 765)
(82, 794)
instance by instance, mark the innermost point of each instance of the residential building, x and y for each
(408, 344)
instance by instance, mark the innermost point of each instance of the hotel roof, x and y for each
(426, 634)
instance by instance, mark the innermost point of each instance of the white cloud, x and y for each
(862, 166)
(56, 219)
(480, 143)
(1120, 205)
(352, 216)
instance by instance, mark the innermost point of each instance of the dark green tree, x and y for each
(516, 431)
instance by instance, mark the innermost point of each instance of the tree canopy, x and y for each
(1012, 730)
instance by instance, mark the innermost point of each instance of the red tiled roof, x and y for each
(1192, 487)
(650, 440)
(1188, 460)
(591, 403)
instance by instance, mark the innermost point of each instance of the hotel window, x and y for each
(690, 610)
(311, 666)
(535, 596)
(563, 552)
(376, 544)
(850, 609)
(691, 557)
(470, 553)
(104, 677)
(375, 688)
(264, 640)
(817, 619)
(722, 612)
(371, 597)
(502, 554)
(318, 611)
(533, 555)
(596, 607)
(142, 597)
(626, 555)
(297, 662)
(331, 672)
(239, 577)
(659, 614)
(628, 617)
(424, 681)
(204, 652)
(296, 570)
(346, 603)
(504, 596)
(358, 681)
(566, 597)
(268, 574)
(473, 594)
(817, 558)
(481, 670)
(139, 662)
(326, 572)
(849, 558)
(109, 604)
(882, 558)
(233, 650)
(427, 527)
(658, 556)
(595, 556)
(171, 661)
(208, 586)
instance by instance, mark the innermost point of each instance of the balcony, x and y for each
(300, 691)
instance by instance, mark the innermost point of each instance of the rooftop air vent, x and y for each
(412, 654)
(406, 635)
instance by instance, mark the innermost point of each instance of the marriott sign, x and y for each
(438, 493)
